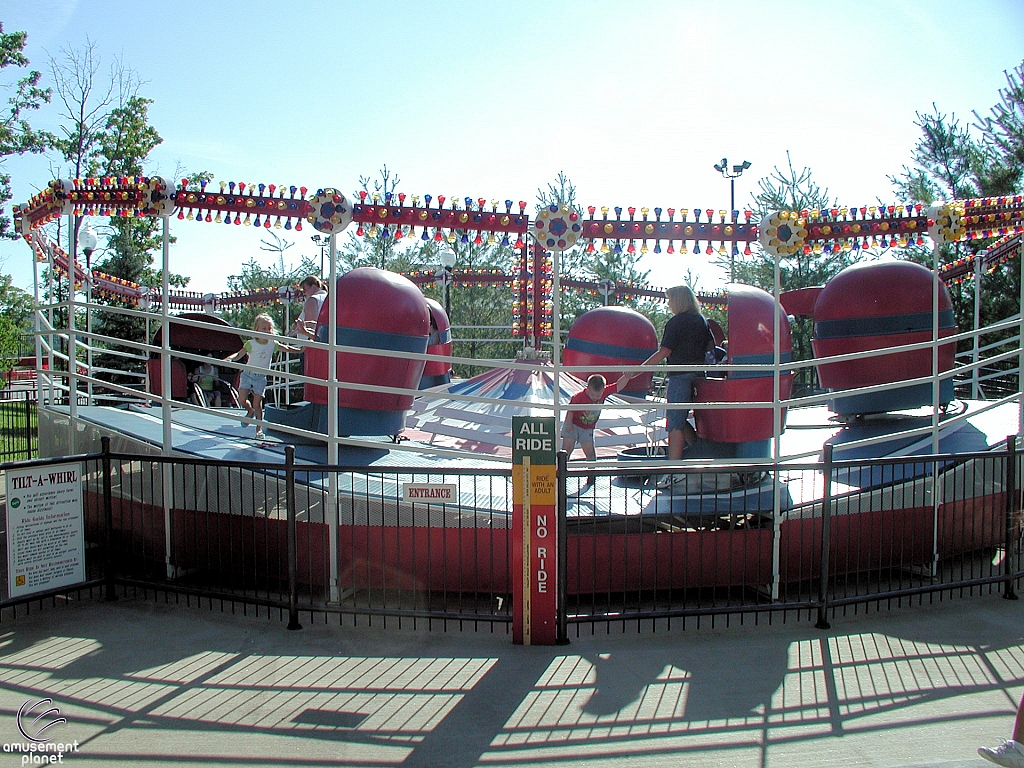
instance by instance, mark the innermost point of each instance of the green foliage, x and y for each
(382, 250)
(1002, 135)
(944, 162)
(15, 304)
(10, 344)
(1002, 173)
(122, 149)
(949, 162)
(487, 310)
(787, 189)
(256, 277)
(603, 264)
(105, 131)
(16, 135)
(15, 322)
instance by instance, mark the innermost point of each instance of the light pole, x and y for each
(735, 173)
(324, 243)
(87, 241)
(447, 264)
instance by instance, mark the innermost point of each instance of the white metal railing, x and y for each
(284, 379)
(975, 364)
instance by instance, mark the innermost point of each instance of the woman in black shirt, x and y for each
(685, 340)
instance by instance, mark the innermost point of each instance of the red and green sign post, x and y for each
(534, 539)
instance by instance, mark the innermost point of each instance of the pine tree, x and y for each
(613, 265)
(949, 163)
(1002, 135)
(787, 189)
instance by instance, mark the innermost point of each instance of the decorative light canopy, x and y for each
(555, 227)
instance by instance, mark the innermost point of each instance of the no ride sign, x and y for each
(534, 541)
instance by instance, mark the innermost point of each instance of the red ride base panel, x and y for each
(478, 560)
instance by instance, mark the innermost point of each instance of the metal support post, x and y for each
(562, 571)
(1012, 523)
(333, 522)
(826, 540)
(109, 574)
(293, 561)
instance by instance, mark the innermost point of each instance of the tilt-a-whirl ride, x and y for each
(378, 399)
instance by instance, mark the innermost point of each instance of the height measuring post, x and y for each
(534, 535)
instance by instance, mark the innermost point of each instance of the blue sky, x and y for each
(634, 101)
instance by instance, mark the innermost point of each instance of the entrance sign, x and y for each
(430, 493)
(46, 528)
(534, 540)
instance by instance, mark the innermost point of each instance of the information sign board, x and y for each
(45, 526)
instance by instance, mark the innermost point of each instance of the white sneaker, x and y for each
(1009, 754)
(665, 481)
(259, 433)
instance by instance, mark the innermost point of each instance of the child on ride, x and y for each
(261, 354)
(579, 425)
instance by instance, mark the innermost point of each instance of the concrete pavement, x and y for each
(149, 684)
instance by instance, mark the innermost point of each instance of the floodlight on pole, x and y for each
(735, 173)
(324, 244)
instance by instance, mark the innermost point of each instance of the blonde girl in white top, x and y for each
(261, 355)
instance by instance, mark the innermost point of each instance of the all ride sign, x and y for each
(534, 495)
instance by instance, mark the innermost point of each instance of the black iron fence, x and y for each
(812, 540)
(726, 543)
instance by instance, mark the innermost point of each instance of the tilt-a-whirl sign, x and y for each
(534, 548)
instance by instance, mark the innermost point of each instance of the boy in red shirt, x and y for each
(579, 425)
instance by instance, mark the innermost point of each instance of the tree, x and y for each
(255, 277)
(787, 189)
(15, 321)
(87, 104)
(949, 163)
(944, 162)
(1002, 134)
(122, 150)
(277, 245)
(380, 248)
(613, 262)
(17, 137)
(105, 131)
(86, 101)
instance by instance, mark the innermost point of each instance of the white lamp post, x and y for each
(87, 241)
